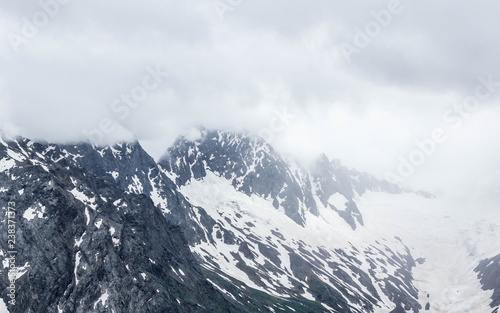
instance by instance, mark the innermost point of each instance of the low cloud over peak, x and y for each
(362, 82)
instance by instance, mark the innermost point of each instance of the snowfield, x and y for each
(453, 235)
(327, 231)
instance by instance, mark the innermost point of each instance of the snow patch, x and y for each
(3, 306)
(90, 202)
(31, 213)
(78, 242)
(338, 201)
(6, 164)
(103, 299)
(16, 156)
(87, 216)
(78, 257)
(98, 224)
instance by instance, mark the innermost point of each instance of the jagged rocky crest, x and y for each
(254, 167)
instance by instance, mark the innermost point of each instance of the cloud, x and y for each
(236, 71)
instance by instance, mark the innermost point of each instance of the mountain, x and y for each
(253, 167)
(221, 223)
(249, 190)
(85, 245)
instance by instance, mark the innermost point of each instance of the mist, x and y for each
(394, 88)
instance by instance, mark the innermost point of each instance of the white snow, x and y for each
(118, 203)
(327, 231)
(6, 164)
(49, 148)
(21, 270)
(103, 299)
(156, 196)
(338, 201)
(329, 308)
(112, 232)
(87, 216)
(453, 235)
(42, 165)
(78, 257)
(98, 223)
(136, 185)
(16, 156)
(224, 291)
(3, 306)
(31, 212)
(78, 242)
(90, 202)
(115, 174)
(173, 270)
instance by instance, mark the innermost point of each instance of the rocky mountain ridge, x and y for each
(221, 223)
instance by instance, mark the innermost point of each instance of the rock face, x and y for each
(221, 223)
(489, 274)
(252, 166)
(130, 168)
(85, 245)
(331, 178)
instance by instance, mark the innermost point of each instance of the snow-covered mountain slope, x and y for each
(445, 236)
(287, 231)
(266, 233)
(254, 167)
(458, 239)
(324, 260)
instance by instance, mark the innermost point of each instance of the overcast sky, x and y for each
(361, 81)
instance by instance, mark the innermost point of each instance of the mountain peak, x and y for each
(253, 166)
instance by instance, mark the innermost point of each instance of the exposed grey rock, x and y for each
(85, 245)
(141, 223)
(489, 274)
(251, 164)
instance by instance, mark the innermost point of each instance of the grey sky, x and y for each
(237, 71)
